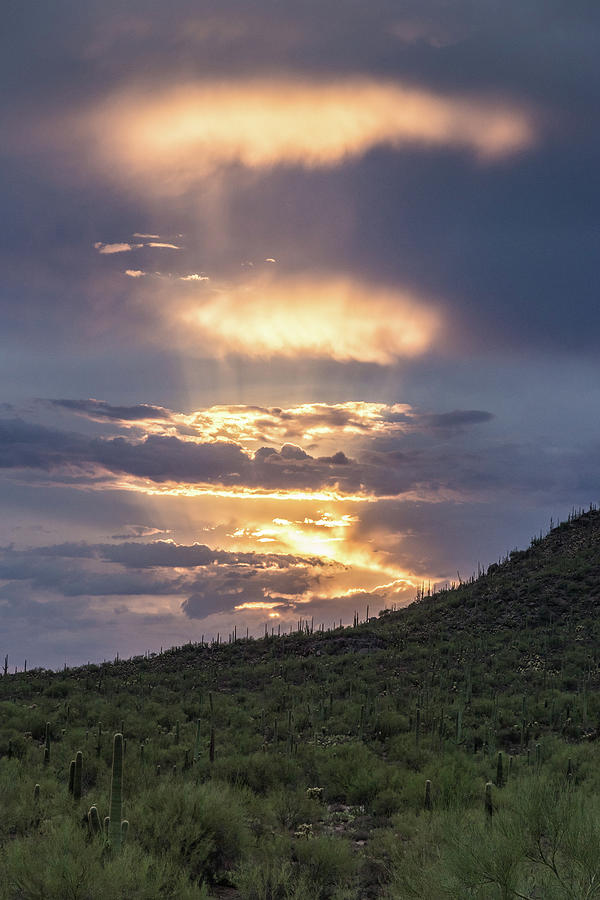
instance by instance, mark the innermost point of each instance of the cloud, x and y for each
(164, 245)
(140, 531)
(230, 590)
(134, 273)
(458, 418)
(157, 555)
(99, 410)
(115, 248)
(392, 454)
(175, 135)
(207, 580)
(155, 237)
(307, 423)
(194, 277)
(333, 317)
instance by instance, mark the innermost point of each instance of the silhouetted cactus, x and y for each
(47, 744)
(116, 794)
(78, 776)
(489, 806)
(71, 775)
(499, 772)
(428, 802)
(94, 821)
(198, 744)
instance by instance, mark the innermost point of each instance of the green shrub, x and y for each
(327, 863)
(203, 828)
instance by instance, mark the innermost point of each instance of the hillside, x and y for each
(296, 767)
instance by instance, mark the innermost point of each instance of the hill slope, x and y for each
(236, 737)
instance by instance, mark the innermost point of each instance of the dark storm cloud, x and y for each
(104, 41)
(227, 589)
(214, 580)
(99, 410)
(164, 554)
(25, 445)
(159, 458)
(458, 418)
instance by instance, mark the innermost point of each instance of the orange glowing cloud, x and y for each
(180, 133)
(332, 317)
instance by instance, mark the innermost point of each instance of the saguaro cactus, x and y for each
(78, 776)
(489, 806)
(499, 772)
(114, 828)
(116, 794)
(428, 802)
(47, 744)
(94, 820)
(198, 744)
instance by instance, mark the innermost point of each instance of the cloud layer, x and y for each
(183, 132)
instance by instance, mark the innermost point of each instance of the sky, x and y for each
(299, 308)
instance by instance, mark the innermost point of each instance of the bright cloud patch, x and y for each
(335, 318)
(115, 248)
(181, 133)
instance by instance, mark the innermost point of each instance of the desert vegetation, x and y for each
(450, 749)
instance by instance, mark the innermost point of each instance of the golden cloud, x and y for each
(334, 317)
(105, 249)
(180, 133)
